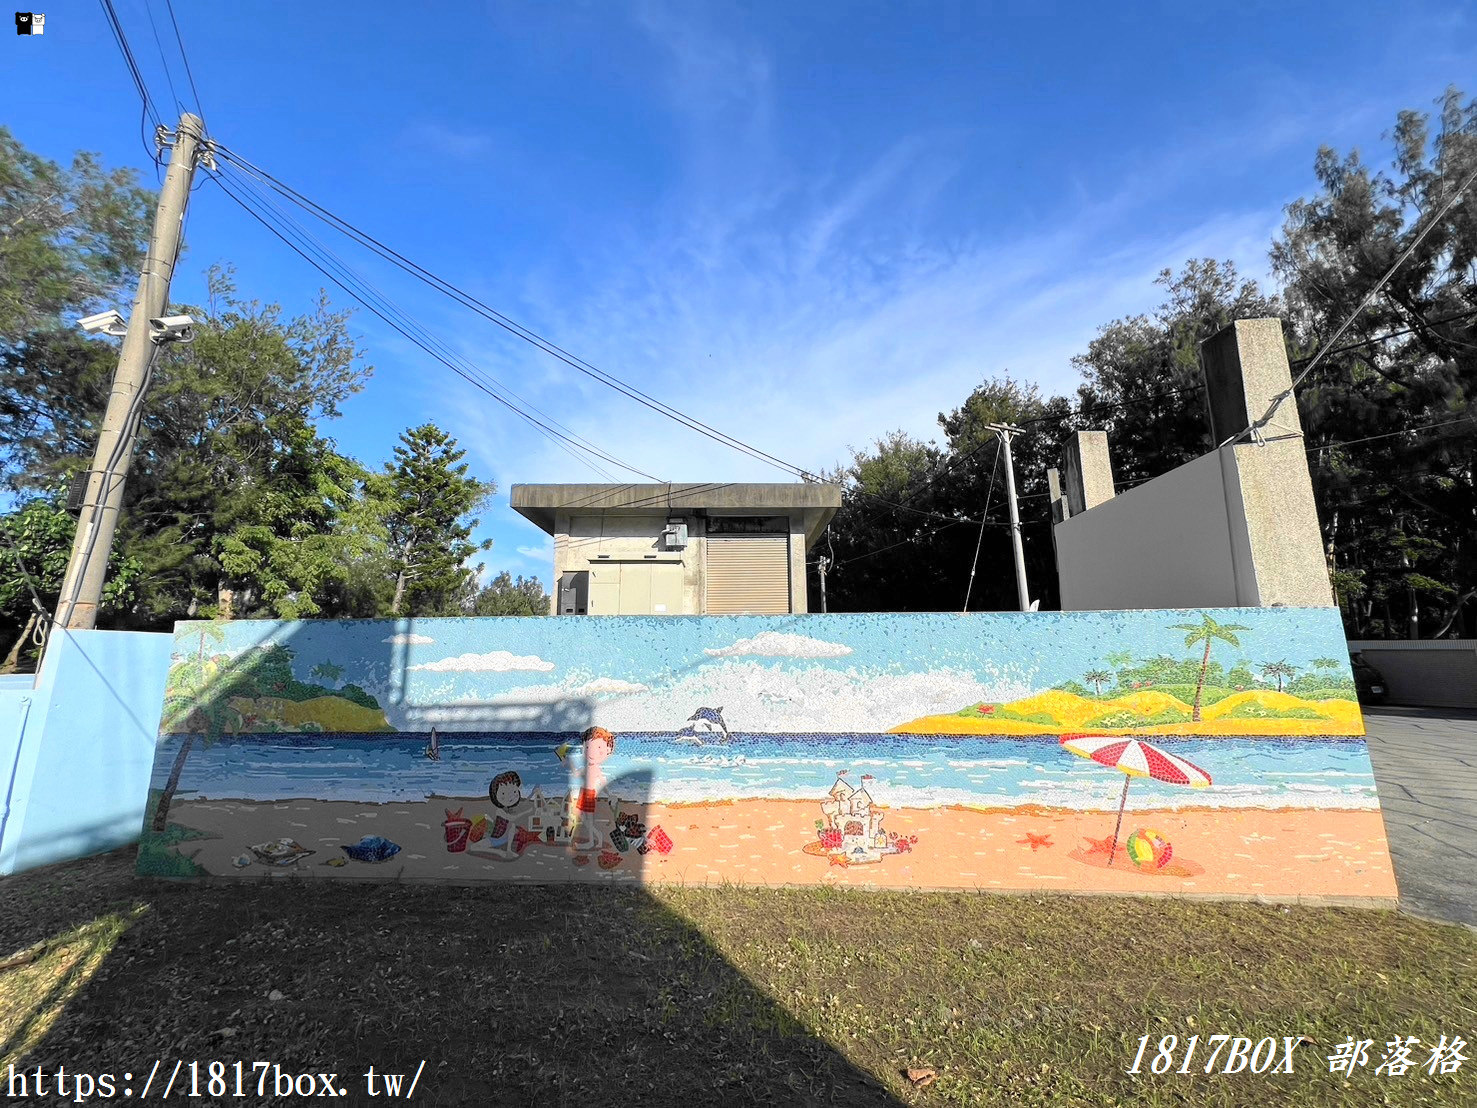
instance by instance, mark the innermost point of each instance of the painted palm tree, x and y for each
(1119, 659)
(197, 702)
(327, 671)
(1096, 677)
(1207, 631)
(1278, 670)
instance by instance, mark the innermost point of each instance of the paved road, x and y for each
(1425, 764)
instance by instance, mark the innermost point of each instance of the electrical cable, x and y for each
(510, 325)
(980, 541)
(1255, 429)
(159, 43)
(386, 311)
(185, 57)
(382, 306)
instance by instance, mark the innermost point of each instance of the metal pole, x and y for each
(822, 564)
(1022, 593)
(82, 587)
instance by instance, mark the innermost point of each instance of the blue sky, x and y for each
(804, 224)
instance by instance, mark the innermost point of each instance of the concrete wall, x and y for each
(908, 751)
(1166, 543)
(1429, 673)
(1228, 528)
(76, 750)
(582, 542)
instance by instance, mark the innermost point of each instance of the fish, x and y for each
(371, 848)
(283, 852)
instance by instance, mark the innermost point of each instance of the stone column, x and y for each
(1087, 471)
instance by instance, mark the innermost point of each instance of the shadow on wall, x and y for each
(508, 991)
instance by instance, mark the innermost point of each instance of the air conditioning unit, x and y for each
(674, 536)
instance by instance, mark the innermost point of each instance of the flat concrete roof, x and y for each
(539, 503)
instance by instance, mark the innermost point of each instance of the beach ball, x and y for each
(1148, 849)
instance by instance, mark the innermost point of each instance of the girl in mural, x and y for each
(599, 744)
(507, 834)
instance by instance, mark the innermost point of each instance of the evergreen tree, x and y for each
(429, 500)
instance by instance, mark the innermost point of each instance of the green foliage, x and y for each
(429, 499)
(504, 596)
(355, 695)
(1137, 719)
(72, 236)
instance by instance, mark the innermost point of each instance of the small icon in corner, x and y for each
(30, 23)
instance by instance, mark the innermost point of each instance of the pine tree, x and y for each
(429, 499)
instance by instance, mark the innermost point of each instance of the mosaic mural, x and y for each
(1193, 752)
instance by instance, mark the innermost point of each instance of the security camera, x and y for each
(172, 328)
(104, 323)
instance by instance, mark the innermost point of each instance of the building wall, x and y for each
(1165, 543)
(582, 542)
(77, 749)
(1237, 526)
(1428, 673)
(908, 751)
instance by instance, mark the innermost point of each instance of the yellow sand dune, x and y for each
(1146, 702)
(331, 713)
(1068, 709)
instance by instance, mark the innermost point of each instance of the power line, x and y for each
(389, 313)
(1255, 429)
(508, 324)
(308, 248)
(185, 57)
(980, 541)
(159, 43)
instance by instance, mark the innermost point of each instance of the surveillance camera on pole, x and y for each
(171, 328)
(143, 335)
(109, 322)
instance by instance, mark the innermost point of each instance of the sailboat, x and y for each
(433, 751)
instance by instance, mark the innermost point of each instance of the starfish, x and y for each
(1033, 840)
(839, 860)
(1100, 846)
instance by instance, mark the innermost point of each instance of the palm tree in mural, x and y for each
(1278, 670)
(1207, 631)
(1096, 677)
(327, 671)
(1327, 666)
(197, 701)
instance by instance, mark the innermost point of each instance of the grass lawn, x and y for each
(719, 996)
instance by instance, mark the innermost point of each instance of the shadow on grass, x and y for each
(511, 994)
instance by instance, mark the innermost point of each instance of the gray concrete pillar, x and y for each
(1245, 371)
(1087, 470)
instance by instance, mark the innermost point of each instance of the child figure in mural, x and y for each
(507, 830)
(599, 745)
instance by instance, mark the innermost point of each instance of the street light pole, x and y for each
(1005, 431)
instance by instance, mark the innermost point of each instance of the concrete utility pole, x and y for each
(82, 587)
(822, 564)
(1005, 431)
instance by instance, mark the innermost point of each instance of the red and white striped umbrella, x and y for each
(1135, 758)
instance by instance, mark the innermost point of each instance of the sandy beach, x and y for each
(1285, 853)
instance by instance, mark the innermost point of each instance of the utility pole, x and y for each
(1005, 431)
(822, 564)
(82, 587)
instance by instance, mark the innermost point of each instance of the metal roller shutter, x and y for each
(748, 573)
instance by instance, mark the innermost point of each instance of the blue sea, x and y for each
(916, 771)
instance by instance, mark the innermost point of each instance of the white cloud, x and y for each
(495, 661)
(404, 639)
(781, 644)
(609, 686)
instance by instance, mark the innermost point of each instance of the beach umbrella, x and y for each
(1135, 758)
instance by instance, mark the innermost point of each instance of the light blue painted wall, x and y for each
(76, 751)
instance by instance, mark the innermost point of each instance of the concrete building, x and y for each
(1235, 527)
(688, 549)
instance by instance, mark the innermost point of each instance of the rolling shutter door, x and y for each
(748, 573)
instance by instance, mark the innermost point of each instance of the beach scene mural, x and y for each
(1202, 752)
